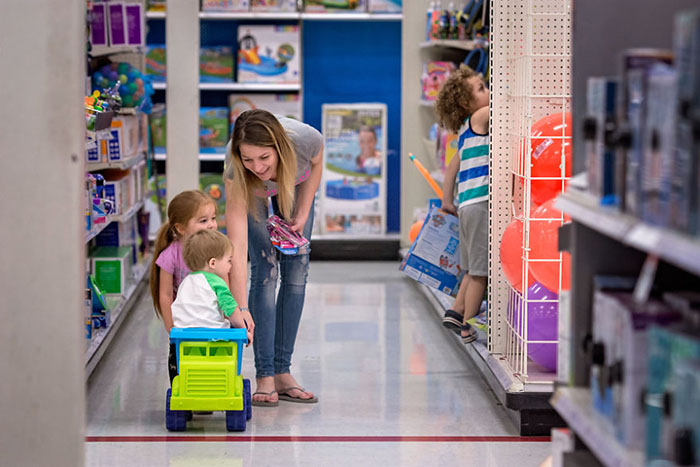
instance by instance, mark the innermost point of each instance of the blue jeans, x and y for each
(276, 322)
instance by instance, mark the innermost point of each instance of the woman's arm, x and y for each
(307, 191)
(237, 231)
(165, 297)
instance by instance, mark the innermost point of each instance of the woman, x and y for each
(282, 159)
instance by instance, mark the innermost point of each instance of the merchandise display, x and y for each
(155, 62)
(273, 5)
(213, 129)
(226, 5)
(287, 105)
(216, 64)
(323, 6)
(268, 54)
(384, 6)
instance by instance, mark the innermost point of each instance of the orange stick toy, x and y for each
(431, 181)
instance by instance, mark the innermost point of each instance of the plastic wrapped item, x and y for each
(286, 240)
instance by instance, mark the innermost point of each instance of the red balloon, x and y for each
(550, 139)
(544, 241)
(511, 253)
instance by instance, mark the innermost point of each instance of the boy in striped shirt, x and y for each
(462, 107)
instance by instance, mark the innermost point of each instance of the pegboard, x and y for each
(530, 59)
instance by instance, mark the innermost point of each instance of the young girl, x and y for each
(188, 212)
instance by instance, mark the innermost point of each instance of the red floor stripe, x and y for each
(317, 439)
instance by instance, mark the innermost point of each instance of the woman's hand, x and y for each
(298, 222)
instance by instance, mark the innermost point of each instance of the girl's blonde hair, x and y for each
(260, 128)
(204, 245)
(181, 210)
(455, 100)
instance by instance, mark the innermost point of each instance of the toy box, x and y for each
(156, 63)
(273, 5)
(601, 99)
(685, 412)
(112, 267)
(268, 54)
(213, 185)
(120, 234)
(213, 129)
(135, 24)
(156, 5)
(158, 128)
(119, 188)
(216, 64)
(124, 140)
(287, 105)
(323, 6)
(351, 189)
(384, 6)
(434, 74)
(117, 24)
(433, 259)
(98, 25)
(226, 5)
(668, 350)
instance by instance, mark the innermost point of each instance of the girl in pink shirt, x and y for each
(188, 212)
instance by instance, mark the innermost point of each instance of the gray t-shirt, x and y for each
(307, 142)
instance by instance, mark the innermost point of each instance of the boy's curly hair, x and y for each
(455, 99)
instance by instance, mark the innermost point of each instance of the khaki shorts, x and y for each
(474, 238)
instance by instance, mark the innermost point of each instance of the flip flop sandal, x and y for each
(284, 396)
(264, 403)
(452, 320)
(471, 336)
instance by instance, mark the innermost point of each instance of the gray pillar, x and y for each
(182, 96)
(42, 232)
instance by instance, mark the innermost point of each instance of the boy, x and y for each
(462, 107)
(203, 298)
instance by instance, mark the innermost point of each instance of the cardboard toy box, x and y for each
(287, 105)
(226, 5)
(158, 128)
(216, 64)
(156, 62)
(384, 6)
(124, 140)
(273, 5)
(433, 259)
(324, 6)
(112, 267)
(213, 185)
(119, 188)
(268, 54)
(213, 130)
(120, 234)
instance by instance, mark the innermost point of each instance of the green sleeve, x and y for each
(227, 303)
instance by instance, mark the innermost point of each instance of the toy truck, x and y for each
(209, 377)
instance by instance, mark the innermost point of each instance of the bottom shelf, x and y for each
(119, 307)
(575, 405)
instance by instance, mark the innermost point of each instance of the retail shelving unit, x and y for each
(603, 240)
(118, 305)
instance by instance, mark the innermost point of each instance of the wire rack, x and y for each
(530, 79)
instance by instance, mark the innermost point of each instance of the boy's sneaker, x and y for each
(468, 333)
(452, 320)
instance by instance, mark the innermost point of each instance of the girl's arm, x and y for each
(237, 231)
(307, 191)
(448, 186)
(165, 296)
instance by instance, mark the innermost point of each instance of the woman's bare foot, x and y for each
(265, 390)
(285, 382)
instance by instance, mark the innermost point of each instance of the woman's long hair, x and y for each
(260, 128)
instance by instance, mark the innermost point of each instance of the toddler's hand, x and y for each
(448, 206)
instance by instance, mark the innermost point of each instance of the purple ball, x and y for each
(541, 324)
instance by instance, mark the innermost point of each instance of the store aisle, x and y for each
(379, 361)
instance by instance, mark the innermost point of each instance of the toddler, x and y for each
(462, 107)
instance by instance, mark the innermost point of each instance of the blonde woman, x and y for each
(281, 159)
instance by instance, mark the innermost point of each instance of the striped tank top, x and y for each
(473, 166)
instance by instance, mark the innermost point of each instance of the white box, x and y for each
(384, 6)
(268, 54)
(124, 140)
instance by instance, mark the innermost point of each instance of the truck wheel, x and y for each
(247, 400)
(175, 420)
(235, 420)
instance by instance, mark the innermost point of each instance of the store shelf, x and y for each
(270, 87)
(576, 407)
(359, 237)
(119, 307)
(95, 231)
(202, 157)
(448, 43)
(673, 247)
(130, 213)
(122, 165)
(352, 16)
(211, 15)
(98, 51)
